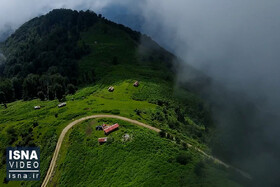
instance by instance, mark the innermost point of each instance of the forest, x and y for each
(40, 60)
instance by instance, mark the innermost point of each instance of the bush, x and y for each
(35, 124)
(110, 140)
(106, 111)
(6, 181)
(178, 140)
(162, 133)
(199, 168)
(137, 111)
(158, 115)
(71, 89)
(184, 146)
(183, 158)
(115, 111)
(11, 130)
(41, 95)
(169, 136)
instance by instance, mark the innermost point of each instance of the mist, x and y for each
(235, 43)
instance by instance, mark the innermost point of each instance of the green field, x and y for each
(19, 118)
(143, 160)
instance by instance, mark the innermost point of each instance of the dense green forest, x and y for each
(42, 55)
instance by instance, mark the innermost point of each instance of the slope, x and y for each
(94, 55)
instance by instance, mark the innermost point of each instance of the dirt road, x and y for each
(69, 126)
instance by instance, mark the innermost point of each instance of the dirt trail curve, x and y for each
(69, 126)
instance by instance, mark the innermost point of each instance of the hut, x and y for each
(108, 129)
(102, 140)
(126, 137)
(37, 107)
(111, 89)
(61, 105)
(136, 84)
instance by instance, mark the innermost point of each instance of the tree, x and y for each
(41, 95)
(178, 140)
(2, 97)
(7, 90)
(183, 158)
(184, 146)
(17, 86)
(115, 60)
(30, 86)
(180, 115)
(137, 111)
(199, 169)
(162, 133)
(59, 91)
(71, 89)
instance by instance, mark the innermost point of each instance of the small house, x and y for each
(136, 84)
(108, 129)
(61, 105)
(37, 107)
(102, 140)
(126, 137)
(111, 89)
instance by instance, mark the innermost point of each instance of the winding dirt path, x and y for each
(70, 125)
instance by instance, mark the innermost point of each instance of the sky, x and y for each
(236, 43)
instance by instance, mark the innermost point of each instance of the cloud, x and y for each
(236, 43)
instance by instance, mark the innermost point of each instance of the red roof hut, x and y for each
(102, 140)
(108, 129)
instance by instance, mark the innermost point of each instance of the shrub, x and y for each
(178, 141)
(137, 111)
(71, 89)
(199, 168)
(106, 111)
(115, 111)
(183, 158)
(41, 95)
(162, 133)
(35, 124)
(158, 115)
(110, 140)
(11, 130)
(184, 146)
(6, 181)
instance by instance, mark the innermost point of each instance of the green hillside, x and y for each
(44, 66)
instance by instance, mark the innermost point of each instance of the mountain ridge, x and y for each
(73, 57)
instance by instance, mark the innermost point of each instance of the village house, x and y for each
(61, 105)
(136, 84)
(37, 107)
(111, 89)
(102, 140)
(108, 129)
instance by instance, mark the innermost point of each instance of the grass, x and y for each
(144, 160)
